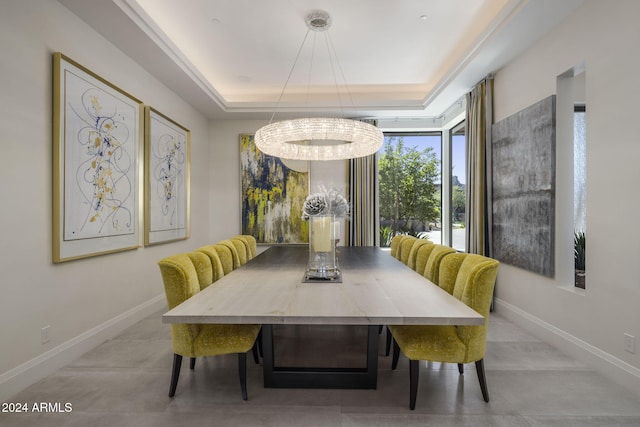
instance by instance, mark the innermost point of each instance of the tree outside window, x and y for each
(409, 192)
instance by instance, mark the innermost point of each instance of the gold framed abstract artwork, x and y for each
(167, 179)
(97, 164)
(273, 194)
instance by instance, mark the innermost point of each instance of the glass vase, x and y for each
(322, 265)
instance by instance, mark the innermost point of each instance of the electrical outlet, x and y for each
(45, 334)
(629, 343)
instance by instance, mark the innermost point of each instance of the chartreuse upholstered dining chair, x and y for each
(239, 256)
(250, 243)
(226, 257)
(422, 256)
(243, 249)
(395, 244)
(432, 268)
(413, 253)
(181, 281)
(216, 264)
(405, 248)
(473, 285)
(449, 269)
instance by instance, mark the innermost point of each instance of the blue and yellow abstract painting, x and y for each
(273, 193)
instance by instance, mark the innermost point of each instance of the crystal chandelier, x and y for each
(320, 138)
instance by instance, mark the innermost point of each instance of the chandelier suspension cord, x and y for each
(333, 69)
(289, 76)
(313, 51)
(341, 74)
(332, 55)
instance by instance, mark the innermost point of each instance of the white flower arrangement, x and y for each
(327, 202)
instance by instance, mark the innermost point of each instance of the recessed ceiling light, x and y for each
(244, 79)
(215, 21)
(423, 17)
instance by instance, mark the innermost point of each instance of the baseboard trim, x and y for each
(22, 376)
(612, 367)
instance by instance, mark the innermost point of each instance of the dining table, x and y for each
(375, 289)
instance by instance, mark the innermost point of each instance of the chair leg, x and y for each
(177, 363)
(254, 349)
(259, 340)
(396, 355)
(242, 370)
(482, 379)
(414, 375)
(460, 368)
(192, 363)
(389, 339)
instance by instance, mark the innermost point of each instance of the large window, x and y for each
(422, 177)
(410, 181)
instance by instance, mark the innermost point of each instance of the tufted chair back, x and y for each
(204, 270)
(422, 256)
(216, 264)
(395, 244)
(405, 248)
(180, 278)
(432, 268)
(448, 271)
(243, 250)
(233, 246)
(413, 254)
(250, 243)
(226, 257)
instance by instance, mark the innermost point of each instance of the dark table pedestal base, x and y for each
(307, 377)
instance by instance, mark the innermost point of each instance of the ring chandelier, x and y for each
(319, 138)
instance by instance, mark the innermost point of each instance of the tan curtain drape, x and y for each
(478, 130)
(364, 224)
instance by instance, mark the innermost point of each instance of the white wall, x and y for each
(590, 324)
(83, 301)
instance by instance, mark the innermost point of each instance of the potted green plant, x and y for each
(579, 255)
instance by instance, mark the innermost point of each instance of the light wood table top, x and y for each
(376, 289)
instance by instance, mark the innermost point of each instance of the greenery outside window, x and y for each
(410, 190)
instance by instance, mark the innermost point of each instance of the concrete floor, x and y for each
(125, 381)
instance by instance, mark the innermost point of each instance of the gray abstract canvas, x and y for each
(523, 147)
